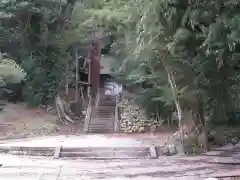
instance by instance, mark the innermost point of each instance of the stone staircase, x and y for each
(102, 118)
(99, 153)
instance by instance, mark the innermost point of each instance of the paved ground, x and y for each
(221, 162)
(90, 140)
(165, 168)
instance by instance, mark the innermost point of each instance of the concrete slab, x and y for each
(100, 141)
(52, 141)
(75, 141)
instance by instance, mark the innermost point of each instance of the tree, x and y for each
(36, 27)
(189, 48)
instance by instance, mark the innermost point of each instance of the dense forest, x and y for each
(175, 55)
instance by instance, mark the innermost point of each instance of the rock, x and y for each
(166, 150)
(201, 141)
(133, 119)
(172, 149)
(220, 140)
(234, 141)
(190, 145)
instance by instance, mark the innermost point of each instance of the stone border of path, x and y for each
(86, 152)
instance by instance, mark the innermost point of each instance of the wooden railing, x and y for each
(88, 115)
(92, 102)
(116, 119)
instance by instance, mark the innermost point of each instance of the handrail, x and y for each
(116, 118)
(88, 115)
(97, 98)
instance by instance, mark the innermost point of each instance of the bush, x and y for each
(11, 76)
(44, 76)
(10, 72)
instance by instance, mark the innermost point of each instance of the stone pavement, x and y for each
(165, 168)
(90, 140)
(99, 146)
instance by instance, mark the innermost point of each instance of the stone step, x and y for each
(100, 131)
(107, 154)
(103, 108)
(103, 118)
(102, 113)
(107, 116)
(107, 104)
(97, 149)
(97, 126)
(102, 95)
(105, 99)
(88, 152)
(101, 123)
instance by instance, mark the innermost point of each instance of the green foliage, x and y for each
(44, 78)
(197, 41)
(38, 27)
(10, 72)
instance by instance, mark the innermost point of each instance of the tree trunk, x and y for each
(200, 120)
(173, 87)
(62, 116)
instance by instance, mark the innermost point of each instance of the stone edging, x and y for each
(86, 152)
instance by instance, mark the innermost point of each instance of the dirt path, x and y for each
(16, 121)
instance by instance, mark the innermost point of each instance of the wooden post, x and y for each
(116, 123)
(77, 78)
(87, 117)
(89, 74)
